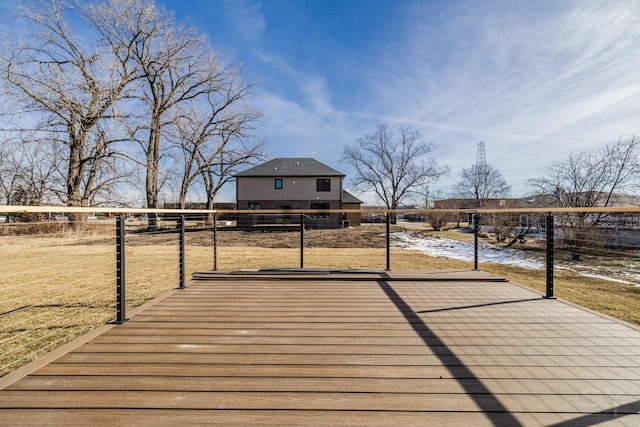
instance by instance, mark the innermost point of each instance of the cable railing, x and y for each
(67, 271)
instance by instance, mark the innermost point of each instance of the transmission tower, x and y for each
(481, 177)
(481, 160)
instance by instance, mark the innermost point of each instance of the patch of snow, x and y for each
(463, 251)
(610, 279)
(587, 271)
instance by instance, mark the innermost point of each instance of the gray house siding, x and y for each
(289, 184)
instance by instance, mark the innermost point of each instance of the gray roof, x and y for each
(291, 167)
(349, 198)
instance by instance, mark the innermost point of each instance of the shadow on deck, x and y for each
(327, 347)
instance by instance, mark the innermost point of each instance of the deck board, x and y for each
(398, 348)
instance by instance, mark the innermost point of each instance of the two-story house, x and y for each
(289, 184)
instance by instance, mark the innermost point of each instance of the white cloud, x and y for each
(534, 80)
(247, 19)
(312, 89)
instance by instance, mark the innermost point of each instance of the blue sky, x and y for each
(534, 80)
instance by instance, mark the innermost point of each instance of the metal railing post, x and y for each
(215, 241)
(550, 255)
(120, 271)
(301, 240)
(476, 230)
(182, 255)
(388, 241)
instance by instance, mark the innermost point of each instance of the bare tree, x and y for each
(214, 136)
(236, 152)
(8, 174)
(179, 66)
(27, 173)
(179, 71)
(71, 84)
(439, 220)
(509, 226)
(134, 64)
(392, 168)
(590, 179)
(481, 183)
(593, 178)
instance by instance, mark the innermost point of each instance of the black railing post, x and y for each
(301, 240)
(215, 241)
(120, 271)
(388, 241)
(476, 232)
(550, 255)
(182, 256)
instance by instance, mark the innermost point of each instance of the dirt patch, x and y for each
(369, 236)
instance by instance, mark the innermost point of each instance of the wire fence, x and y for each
(56, 282)
(58, 276)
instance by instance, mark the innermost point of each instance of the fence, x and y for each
(66, 271)
(61, 274)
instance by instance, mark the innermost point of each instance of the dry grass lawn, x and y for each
(53, 289)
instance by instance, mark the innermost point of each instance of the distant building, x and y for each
(621, 229)
(292, 184)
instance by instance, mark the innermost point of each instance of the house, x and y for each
(291, 184)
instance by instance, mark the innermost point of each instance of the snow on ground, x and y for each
(453, 249)
(611, 279)
(463, 251)
(629, 273)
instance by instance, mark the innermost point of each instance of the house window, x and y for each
(320, 207)
(278, 184)
(253, 206)
(323, 184)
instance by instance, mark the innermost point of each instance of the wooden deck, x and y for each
(327, 348)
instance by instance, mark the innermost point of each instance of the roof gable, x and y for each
(350, 198)
(284, 166)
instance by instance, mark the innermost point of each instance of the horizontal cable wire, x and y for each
(49, 266)
(53, 309)
(110, 274)
(36, 258)
(77, 321)
(52, 344)
(102, 302)
(69, 272)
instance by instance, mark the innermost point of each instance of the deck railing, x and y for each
(68, 270)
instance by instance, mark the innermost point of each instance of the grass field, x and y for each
(54, 288)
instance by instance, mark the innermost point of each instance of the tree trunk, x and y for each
(153, 161)
(74, 181)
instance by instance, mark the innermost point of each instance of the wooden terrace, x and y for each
(364, 348)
